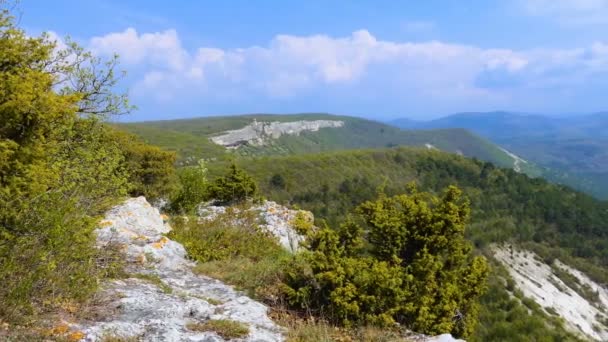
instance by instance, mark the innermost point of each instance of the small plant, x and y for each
(225, 328)
(155, 280)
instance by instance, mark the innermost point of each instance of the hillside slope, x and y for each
(572, 150)
(192, 138)
(551, 220)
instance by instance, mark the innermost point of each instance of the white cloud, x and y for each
(160, 48)
(291, 66)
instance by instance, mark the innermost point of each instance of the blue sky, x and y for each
(380, 59)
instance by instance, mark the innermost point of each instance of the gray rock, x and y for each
(144, 310)
(259, 133)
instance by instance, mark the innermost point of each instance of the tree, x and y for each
(236, 186)
(151, 170)
(278, 181)
(59, 169)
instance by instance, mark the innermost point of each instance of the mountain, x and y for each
(539, 226)
(265, 134)
(571, 150)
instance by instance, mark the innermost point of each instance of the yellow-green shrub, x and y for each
(417, 269)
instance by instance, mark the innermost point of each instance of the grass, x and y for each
(257, 278)
(225, 328)
(155, 280)
(232, 248)
(318, 330)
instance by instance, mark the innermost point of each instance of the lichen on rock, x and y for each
(140, 309)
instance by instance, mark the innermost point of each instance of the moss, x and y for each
(155, 280)
(225, 328)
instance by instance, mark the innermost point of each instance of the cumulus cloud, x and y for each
(290, 66)
(160, 48)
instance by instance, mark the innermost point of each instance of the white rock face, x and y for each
(537, 281)
(444, 338)
(517, 161)
(138, 308)
(258, 133)
(274, 218)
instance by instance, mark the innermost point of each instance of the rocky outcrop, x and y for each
(164, 297)
(274, 219)
(259, 133)
(539, 281)
(163, 300)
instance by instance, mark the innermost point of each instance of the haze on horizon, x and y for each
(382, 60)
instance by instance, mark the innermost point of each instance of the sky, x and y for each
(380, 59)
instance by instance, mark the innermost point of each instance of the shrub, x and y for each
(236, 186)
(419, 271)
(59, 169)
(151, 170)
(194, 188)
(278, 181)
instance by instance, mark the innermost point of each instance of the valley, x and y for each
(570, 150)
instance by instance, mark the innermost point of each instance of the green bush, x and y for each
(151, 170)
(236, 186)
(60, 169)
(193, 189)
(417, 269)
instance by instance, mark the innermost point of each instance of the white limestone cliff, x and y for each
(259, 133)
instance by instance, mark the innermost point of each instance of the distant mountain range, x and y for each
(258, 135)
(573, 150)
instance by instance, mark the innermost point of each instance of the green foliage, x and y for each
(151, 170)
(59, 169)
(231, 247)
(225, 328)
(231, 234)
(237, 186)
(277, 181)
(419, 271)
(194, 188)
(190, 138)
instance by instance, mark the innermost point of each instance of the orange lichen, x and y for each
(164, 217)
(76, 336)
(60, 329)
(141, 259)
(126, 231)
(160, 243)
(105, 223)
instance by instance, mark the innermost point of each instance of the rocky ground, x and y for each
(163, 300)
(538, 281)
(167, 301)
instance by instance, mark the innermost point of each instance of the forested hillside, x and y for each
(190, 138)
(572, 150)
(552, 220)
